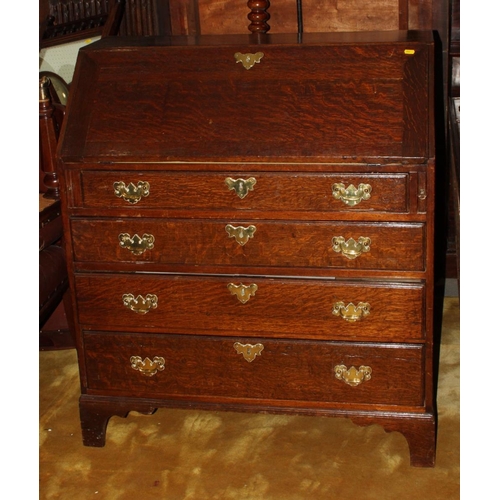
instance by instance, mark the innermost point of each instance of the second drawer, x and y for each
(341, 245)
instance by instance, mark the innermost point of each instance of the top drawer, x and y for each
(249, 191)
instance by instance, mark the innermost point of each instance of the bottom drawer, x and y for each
(202, 367)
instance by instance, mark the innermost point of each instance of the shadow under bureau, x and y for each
(249, 227)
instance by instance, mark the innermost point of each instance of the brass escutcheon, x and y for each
(351, 248)
(139, 304)
(148, 367)
(351, 195)
(352, 376)
(240, 234)
(350, 312)
(241, 186)
(131, 193)
(248, 60)
(243, 292)
(136, 244)
(249, 351)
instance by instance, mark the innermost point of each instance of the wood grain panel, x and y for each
(193, 108)
(285, 370)
(393, 246)
(281, 307)
(230, 16)
(272, 191)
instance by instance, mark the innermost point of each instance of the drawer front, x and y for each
(237, 242)
(259, 369)
(246, 191)
(291, 308)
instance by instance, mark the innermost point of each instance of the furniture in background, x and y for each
(54, 331)
(250, 226)
(68, 25)
(67, 21)
(454, 131)
(62, 24)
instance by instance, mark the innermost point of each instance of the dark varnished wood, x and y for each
(178, 242)
(280, 308)
(95, 415)
(182, 114)
(419, 429)
(184, 118)
(49, 134)
(454, 164)
(227, 16)
(258, 16)
(306, 366)
(276, 191)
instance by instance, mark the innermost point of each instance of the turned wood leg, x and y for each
(95, 415)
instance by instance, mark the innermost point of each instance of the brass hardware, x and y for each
(241, 234)
(136, 244)
(351, 195)
(131, 193)
(43, 90)
(351, 248)
(148, 367)
(350, 312)
(249, 351)
(243, 292)
(241, 186)
(409, 52)
(353, 377)
(248, 60)
(422, 194)
(139, 304)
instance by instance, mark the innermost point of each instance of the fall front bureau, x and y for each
(249, 226)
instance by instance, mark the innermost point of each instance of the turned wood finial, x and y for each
(258, 16)
(48, 139)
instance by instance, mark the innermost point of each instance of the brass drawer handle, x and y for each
(243, 292)
(351, 195)
(136, 244)
(351, 248)
(139, 304)
(240, 186)
(248, 60)
(249, 351)
(350, 312)
(241, 234)
(131, 193)
(352, 376)
(148, 367)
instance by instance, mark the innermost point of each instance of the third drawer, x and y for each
(275, 307)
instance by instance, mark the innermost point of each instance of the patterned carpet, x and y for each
(194, 455)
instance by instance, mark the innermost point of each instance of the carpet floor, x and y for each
(198, 455)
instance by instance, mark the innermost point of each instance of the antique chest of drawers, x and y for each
(249, 226)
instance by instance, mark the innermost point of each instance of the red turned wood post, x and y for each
(48, 140)
(258, 16)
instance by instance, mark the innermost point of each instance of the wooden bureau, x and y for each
(249, 226)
